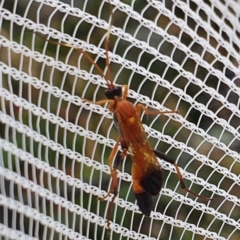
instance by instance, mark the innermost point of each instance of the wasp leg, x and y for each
(113, 169)
(180, 177)
(113, 187)
(120, 155)
(140, 107)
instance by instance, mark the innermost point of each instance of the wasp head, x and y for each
(112, 93)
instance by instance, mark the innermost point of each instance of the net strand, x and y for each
(164, 83)
(132, 94)
(14, 234)
(126, 177)
(37, 216)
(44, 193)
(44, 114)
(47, 177)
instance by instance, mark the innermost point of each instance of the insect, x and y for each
(146, 170)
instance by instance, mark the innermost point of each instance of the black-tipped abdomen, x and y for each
(152, 181)
(144, 202)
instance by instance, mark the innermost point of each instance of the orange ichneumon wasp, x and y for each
(146, 170)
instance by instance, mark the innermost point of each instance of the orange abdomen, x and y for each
(146, 170)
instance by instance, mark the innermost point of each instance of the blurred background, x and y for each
(175, 55)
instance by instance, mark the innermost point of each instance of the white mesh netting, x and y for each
(54, 146)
